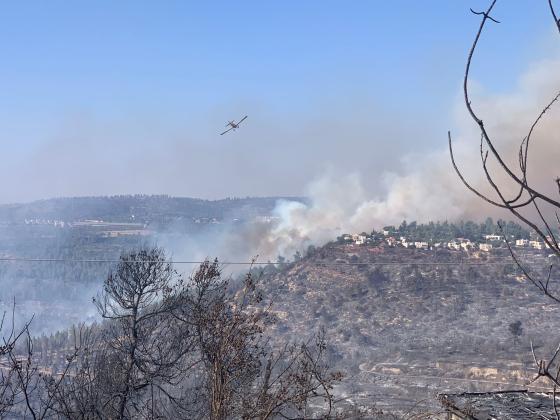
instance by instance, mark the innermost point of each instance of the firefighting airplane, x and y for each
(233, 125)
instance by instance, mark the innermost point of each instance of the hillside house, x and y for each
(346, 237)
(503, 405)
(536, 244)
(454, 245)
(421, 245)
(522, 243)
(359, 239)
(404, 242)
(391, 241)
(466, 244)
(493, 237)
(485, 247)
(123, 233)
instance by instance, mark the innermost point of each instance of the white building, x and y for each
(493, 237)
(466, 244)
(521, 242)
(421, 245)
(391, 241)
(485, 247)
(536, 244)
(359, 239)
(454, 245)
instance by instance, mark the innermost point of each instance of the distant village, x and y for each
(486, 243)
(99, 227)
(132, 227)
(448, 236)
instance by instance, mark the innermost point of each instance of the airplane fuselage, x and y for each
(233, 125)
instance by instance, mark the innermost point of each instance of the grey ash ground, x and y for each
(423, 324)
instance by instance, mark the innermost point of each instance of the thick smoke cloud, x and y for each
(381, 169)
(426, 188)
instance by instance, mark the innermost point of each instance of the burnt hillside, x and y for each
(422, 314)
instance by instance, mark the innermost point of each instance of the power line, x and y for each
(260, 263)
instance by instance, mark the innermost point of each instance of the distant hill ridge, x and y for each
(142, 208)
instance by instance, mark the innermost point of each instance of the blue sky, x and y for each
(91, 88)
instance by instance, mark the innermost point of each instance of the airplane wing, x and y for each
(242, 119)
(229, 129)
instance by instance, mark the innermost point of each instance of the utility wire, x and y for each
(256, 263)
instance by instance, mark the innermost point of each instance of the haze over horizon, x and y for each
(379, 238)
(126, 99)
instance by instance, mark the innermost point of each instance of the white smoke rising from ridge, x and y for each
(340, 205)
(422, 187)
(428, 189)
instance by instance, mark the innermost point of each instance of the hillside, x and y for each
(403, 323)
(148, 209)
(401, 327)
(406, 324)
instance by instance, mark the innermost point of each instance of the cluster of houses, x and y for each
(55, 223)
(457, 244)
(357, 238)
(526, 243)
(100, 227)
(205, 220)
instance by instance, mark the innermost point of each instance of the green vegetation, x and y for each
(442, 232)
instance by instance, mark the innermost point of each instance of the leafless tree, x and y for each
(39, 387)
(528, 203)
(144, 342)
(11, 392)
(297, 377)
(80, 393)
(26, 389)
(242, 374)
(172, 349)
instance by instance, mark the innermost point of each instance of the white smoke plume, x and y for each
(426, 188)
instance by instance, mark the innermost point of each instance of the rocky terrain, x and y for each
(406, 324)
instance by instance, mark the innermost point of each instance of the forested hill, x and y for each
(447, 231)
(140, 208)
